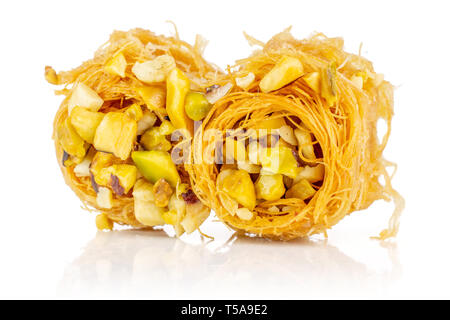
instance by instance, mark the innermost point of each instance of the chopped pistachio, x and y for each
(216, 92)
(69, 139)
(155, 164)
(85, 122)
(313, 80)
(117, 65)
(312, 174)
(273, 209)
(249, 167)
(301, 190)
(155, 70)
(85, 97)
(305, 143)
(162, 191)
(146, 122)
(179, 206)
(328, 84)
(166, 128)
(196, 214)
(178, 86)
(269, 187)
(287, 134)
(244, 214)
(245, 81)
(104, 198)
(51, 76)
(170, 217)
(286, 70)
(82, 169)
(239, 186)
(103, 222)
(280, 160)
(134, 112)
(122, 177)
(152, 139)
(196, 106)
(117, 134)
(145, 209)
(154, 97)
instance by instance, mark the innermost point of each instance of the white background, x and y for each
(49, 246)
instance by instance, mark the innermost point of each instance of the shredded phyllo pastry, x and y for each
(297, 122)
(113, 130)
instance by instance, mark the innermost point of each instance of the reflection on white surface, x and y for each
(137, 264)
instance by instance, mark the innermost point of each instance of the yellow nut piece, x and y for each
(134, 112)
(170, 217)
(69, 139)
(181, 188)
(312, 174)
(196, 214)
(155, 165)
(267, 126)
(196, 106)
(328, 87)
(104, 198)
(166, 128)
(85, 122)
(103, 222)
(313, 80)
(100, 161)
(147, 121)
(178, 206)
(305, 143)
(82, 169)
(246, 81)
(280, 160)
(286, 70)
(244, 214)
(51, 76)
(152, 139)
(239, 186)
(287, 134)
(271, 123)
(154, 97)
(84, 96)
(121, 177)
(117, 134)
(145, 209)
(270, 187)
(162, 191)
(302, 190)
(117, 65)
(249, 167)
(177, 88)
(155, 70)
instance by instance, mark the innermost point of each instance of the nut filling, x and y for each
(284, 169)
(298, 143)
(114, 131)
